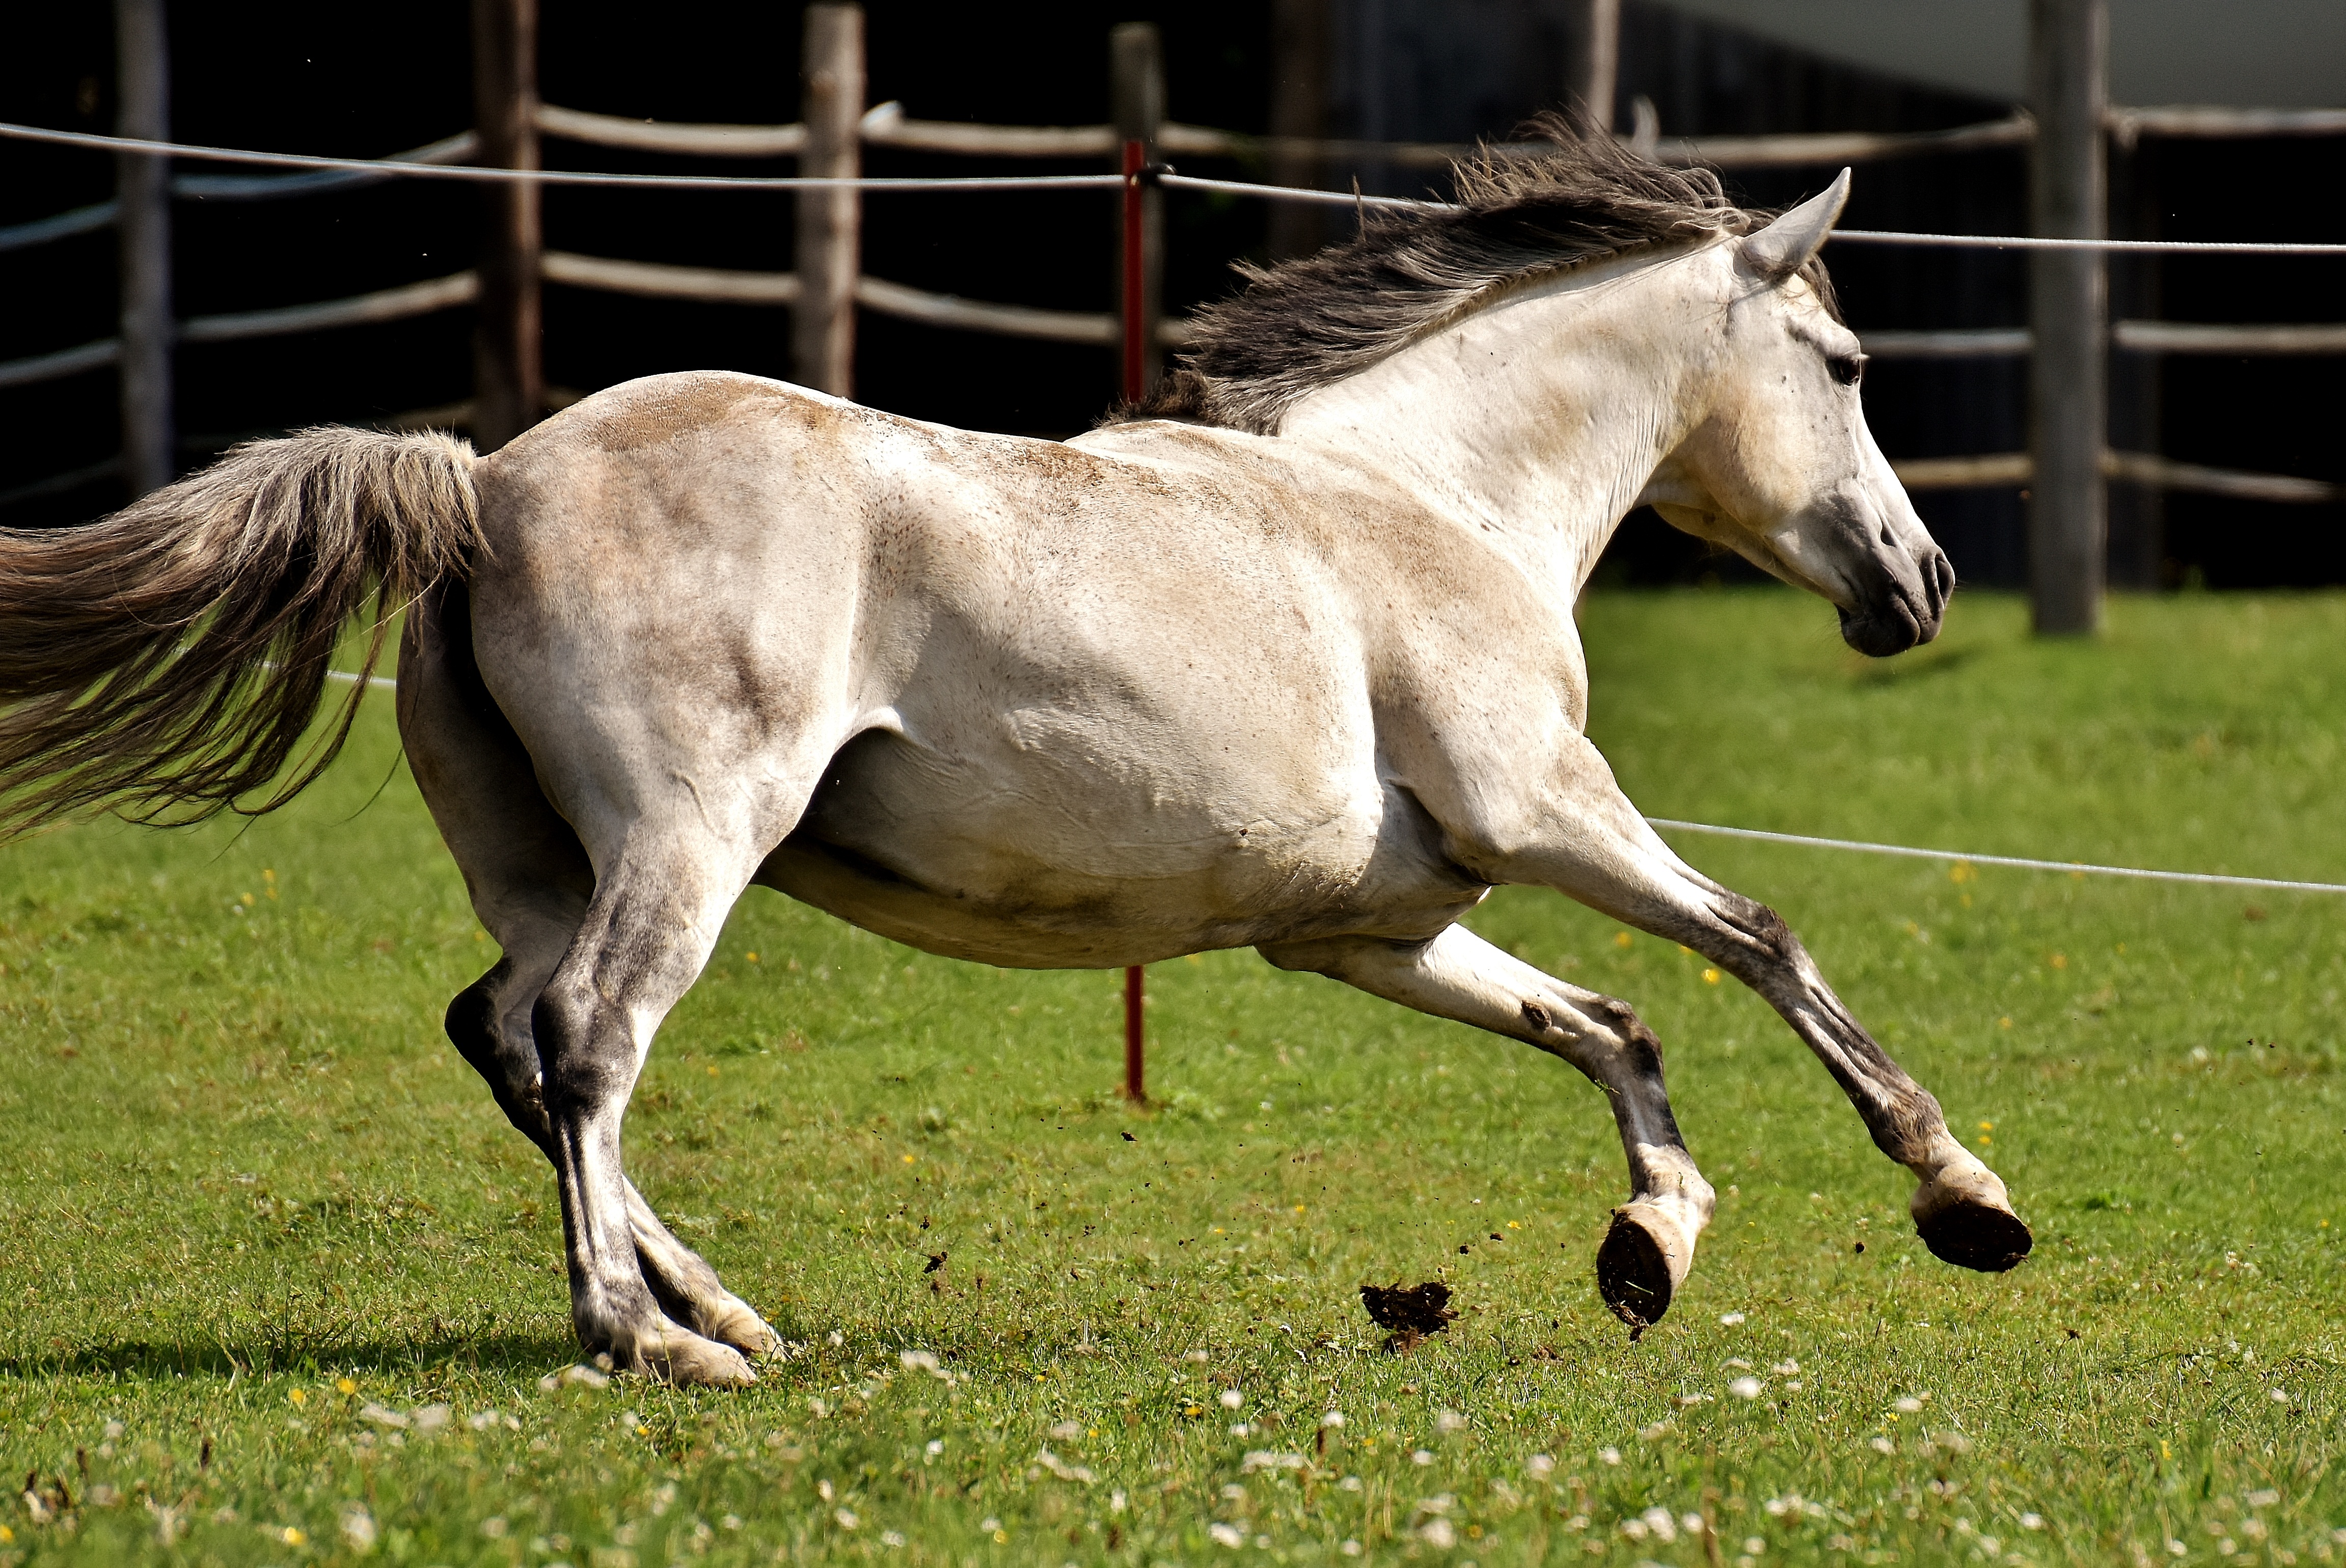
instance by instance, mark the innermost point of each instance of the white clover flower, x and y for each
(1610, 1455)
(1232, 1398)
(2032, 1521)
(1745, 1388)
(1732, 1320)
(1229, 1535)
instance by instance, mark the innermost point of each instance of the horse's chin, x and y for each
(1885, 630)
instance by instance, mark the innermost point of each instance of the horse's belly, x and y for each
(1046, 867)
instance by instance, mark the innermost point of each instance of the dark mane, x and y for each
(1303, 324)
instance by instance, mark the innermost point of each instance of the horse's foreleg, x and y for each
(1458, 975)
(1596, 848)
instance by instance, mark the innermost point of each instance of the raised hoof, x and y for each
(735, 1324)
(1632, 1273)
(1970, 1234)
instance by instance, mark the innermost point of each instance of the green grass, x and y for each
(246, 1191)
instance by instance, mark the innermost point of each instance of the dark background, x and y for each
(360, 82)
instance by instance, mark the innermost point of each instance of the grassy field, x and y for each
(285, 1288)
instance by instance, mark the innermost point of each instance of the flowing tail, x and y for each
(167, 660)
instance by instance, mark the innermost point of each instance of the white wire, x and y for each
(1291, 192)
(2076, 867)
(2030, 242)
(556, 176)
(1045, 182)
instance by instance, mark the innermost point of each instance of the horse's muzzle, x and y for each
(1900, 617)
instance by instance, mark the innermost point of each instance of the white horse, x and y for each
(1285, 660)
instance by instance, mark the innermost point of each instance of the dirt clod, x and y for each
(1410, 1311)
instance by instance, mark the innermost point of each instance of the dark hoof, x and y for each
(1974, 1236)
(1633, 1275)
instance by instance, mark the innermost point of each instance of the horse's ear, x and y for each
(1784, 247)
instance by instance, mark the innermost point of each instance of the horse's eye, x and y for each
(1847, 369)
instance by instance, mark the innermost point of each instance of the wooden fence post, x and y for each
(508, 370)
(830, 221)
(1593, 61)
(1137, 94)
(2068, 309)
(142, 183)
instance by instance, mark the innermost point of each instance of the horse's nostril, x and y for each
(1886, 539)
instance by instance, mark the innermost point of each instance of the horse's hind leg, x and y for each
(654, 919)
(1651, 1247)
(530, 883)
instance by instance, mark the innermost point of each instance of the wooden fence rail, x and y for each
(2244, 339)
(886, 124)
(234, 188)
(2005, 469)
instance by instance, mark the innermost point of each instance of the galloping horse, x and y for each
(1283, 658)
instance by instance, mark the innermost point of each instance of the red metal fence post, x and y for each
(1135, 383)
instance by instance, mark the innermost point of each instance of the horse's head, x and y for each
(1782, 470)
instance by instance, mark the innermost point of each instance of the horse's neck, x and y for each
(1542, 415)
